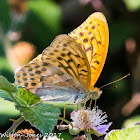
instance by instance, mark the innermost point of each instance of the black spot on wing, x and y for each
(45, 64)
(93, 67)
(37, 66)
(26, 84)
(31, 74)
(70, 60)
(85, 40)
(59, 58)
(33, 84)
(24, 79)
(83, 74)
(88, 49)
(24, 74)
(84, 70)
(97, 62)
(30, 69)
(38, 72)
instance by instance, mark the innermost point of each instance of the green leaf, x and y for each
(131, 121)
(44, 15)
(7, 111)
(132, 5)
(132, 133)
(43, 116)
(4, 15)
(48, 12)
(26, 98)
(5, 95)
(6, 85)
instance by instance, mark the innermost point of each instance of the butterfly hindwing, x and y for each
(58, 94)
(42, 75)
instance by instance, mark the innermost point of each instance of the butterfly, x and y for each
(68, 69)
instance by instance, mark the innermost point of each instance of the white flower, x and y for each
(91, 120)
(51, 138)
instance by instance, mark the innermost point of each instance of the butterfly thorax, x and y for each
(93, 93)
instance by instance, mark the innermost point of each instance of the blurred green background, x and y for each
(39, 21)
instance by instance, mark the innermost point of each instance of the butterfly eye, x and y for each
(96, 93)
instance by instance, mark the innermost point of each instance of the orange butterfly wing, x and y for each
(93, 37)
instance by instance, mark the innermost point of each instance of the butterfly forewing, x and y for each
(65, 53)
(93, 38)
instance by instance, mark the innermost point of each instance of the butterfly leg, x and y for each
(95, 102)
(85, 103)
(64, 113)
(77, 107)
(90, 103)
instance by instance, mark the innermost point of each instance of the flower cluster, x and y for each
(51, 138)
(26, 134)
(90, 120)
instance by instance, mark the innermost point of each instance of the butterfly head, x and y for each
(95, 93)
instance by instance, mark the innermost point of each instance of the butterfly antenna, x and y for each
(115, 81)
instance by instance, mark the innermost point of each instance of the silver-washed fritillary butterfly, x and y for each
(67, 70)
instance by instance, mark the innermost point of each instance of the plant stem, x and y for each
(15, 124)
(88, 135)
(10, 93)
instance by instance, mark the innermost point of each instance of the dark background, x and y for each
(39, 21)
